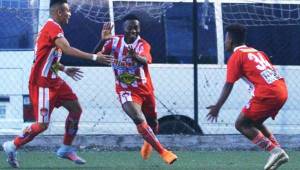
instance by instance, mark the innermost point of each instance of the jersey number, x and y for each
(269, 74)
(262, 63)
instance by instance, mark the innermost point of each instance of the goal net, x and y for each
(101, 11)
(261, 12)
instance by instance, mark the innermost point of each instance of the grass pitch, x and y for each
(131, 160)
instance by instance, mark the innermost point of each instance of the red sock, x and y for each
(147, 133)
(274, 140)
(71, 127)
(28, 134)
(263, 142)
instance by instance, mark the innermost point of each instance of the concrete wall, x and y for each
(174, 142)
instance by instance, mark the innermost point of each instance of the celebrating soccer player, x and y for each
(133, 82)
(47, 90)
(268, 96)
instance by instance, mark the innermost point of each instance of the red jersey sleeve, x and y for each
(234, 67)
(55, 31)
(145, 52)
(107, 47)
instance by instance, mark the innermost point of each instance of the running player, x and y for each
(47, 90)
(268, 96)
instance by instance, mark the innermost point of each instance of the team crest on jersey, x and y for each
(44, 112)
(127, 78)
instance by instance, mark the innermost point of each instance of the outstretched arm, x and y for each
(64, 45)
(214, 109)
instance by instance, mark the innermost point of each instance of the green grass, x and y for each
(233, 160)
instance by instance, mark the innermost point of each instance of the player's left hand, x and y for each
(106, 32)
(213, 113)
(131, 52)
(74, 73)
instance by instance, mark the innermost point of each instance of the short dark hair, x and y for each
(130, 17)
(237, 33)
(53, 2)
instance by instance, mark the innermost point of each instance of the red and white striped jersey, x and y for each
(124, 65)
(255, 68)
(47, 56)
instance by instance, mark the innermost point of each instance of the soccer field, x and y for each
(231, 160)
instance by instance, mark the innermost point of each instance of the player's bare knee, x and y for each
(79, 108)
(153, 122)
(138, 120)
(72, 106)
(238, 125)
(76, 109)
(240, 122)
(137, 117)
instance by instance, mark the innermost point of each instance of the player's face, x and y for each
(132, 30)
(64, 13)
(228, 43)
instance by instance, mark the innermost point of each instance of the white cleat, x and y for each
(10, 150)
(277, 158)
(284, 159)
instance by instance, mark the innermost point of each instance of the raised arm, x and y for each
(106, 33)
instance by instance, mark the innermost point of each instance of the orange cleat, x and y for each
(168, 156)
(146, 150)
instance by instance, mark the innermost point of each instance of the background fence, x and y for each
(168, 26)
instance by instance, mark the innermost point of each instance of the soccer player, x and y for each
(133, 82)
(47, 90)
(268, 96)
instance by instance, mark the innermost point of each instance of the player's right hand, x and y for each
(74, 72)
(104, 59)
(213, 113)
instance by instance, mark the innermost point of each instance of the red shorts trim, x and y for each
(44, 99)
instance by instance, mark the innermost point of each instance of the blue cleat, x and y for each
(68, 152)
